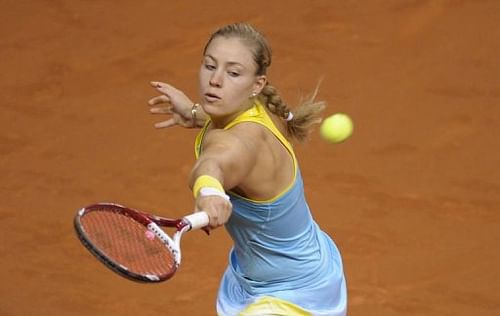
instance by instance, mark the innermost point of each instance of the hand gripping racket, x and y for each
(131, 242)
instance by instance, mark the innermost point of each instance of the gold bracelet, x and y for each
(194, 109)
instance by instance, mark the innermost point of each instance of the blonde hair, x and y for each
(306, 114)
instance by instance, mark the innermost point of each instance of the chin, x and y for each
(211, 109)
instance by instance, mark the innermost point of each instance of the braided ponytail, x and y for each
(298, 123)
(271, 98)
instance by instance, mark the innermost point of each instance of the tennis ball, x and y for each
(336, 128)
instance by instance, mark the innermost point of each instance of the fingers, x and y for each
(178, 105)
(161, 86)
(159, 100)
(164, 110)
(164, 124)
(218, 209)
(156, 84)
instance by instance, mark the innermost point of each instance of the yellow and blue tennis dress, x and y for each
(281, 262)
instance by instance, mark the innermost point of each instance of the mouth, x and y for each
(211, 97)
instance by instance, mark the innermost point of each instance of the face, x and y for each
(228, 79)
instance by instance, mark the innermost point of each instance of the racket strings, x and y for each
(127, 242)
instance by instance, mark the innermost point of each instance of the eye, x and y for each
(209, 66)
(234, 73)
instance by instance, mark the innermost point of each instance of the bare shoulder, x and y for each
(234, 151)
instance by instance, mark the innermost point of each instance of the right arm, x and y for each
(227, 158)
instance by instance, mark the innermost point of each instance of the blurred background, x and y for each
(412, 199)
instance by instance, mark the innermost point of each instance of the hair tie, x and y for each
(290, 116)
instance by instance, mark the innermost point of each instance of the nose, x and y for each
(216, 79)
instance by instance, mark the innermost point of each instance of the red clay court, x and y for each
(412, 199)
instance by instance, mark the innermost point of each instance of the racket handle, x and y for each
(197, 220)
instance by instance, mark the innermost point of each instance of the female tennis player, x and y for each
(247, 178)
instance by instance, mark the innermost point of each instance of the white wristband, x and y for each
(209, 191)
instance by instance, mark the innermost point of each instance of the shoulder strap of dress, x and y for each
(257, 114)
(199, 139)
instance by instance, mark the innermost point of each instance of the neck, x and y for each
(222, 121)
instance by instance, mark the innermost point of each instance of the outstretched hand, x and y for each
(174, 102)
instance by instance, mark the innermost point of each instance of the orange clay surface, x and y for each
(412, 198)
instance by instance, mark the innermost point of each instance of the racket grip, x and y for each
(197, 220)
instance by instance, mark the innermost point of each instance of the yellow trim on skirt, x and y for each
(268, 305)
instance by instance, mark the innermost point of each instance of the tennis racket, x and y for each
(132, 243)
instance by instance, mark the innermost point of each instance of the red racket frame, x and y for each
(142, 218)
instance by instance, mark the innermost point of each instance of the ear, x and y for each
(260, 83)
